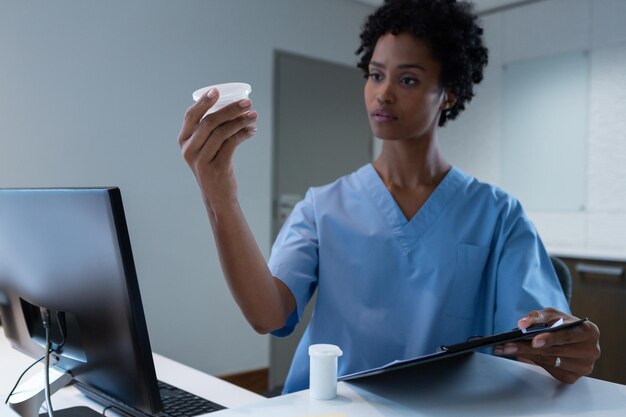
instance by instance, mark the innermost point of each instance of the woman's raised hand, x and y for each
(208, 143)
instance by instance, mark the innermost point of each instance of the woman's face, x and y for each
(403, 94)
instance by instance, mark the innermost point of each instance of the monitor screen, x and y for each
(68, 250)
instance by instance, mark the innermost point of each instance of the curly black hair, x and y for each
(450, 29)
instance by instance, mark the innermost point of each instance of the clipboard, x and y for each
(447, 351)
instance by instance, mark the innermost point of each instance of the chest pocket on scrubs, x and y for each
(469, 281)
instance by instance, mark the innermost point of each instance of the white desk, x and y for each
(13, 363)
(477, 385)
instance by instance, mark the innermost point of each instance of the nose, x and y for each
(385, 94)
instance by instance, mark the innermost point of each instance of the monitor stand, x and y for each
(30, 395)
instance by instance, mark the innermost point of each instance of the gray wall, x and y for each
(545, 29)
(93, 93)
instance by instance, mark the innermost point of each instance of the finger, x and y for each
(575, 350)
(212, 121)
(190, 149)
(524, 360)
(235, 109)
(226, 131)
(586, 332)
(548, 315)
(194, 114)
(510, 349)
(225, 154)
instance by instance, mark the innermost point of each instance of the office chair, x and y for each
(564, 275)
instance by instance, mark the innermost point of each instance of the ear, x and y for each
(449, 100)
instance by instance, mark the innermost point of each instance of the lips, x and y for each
(382, 115)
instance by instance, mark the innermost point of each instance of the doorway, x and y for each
(322, 133)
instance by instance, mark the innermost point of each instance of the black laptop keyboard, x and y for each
(179, 403)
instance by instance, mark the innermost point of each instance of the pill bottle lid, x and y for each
(228, 92)
(324, 350)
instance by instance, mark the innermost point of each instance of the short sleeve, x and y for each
(526, 279)
(294, 258)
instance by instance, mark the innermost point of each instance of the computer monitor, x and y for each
(68, 250)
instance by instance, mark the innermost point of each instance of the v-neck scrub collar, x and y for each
(410, 231)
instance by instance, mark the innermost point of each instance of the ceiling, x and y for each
(481, 5)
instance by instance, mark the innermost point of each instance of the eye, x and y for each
(375, 76)
(409, 81)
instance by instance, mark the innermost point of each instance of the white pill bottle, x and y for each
(323, 371)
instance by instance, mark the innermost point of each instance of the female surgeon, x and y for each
(407, 253)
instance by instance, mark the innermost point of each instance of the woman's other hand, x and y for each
(566, 354)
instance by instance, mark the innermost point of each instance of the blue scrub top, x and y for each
(468, 263)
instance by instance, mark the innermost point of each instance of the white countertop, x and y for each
(478, 385)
